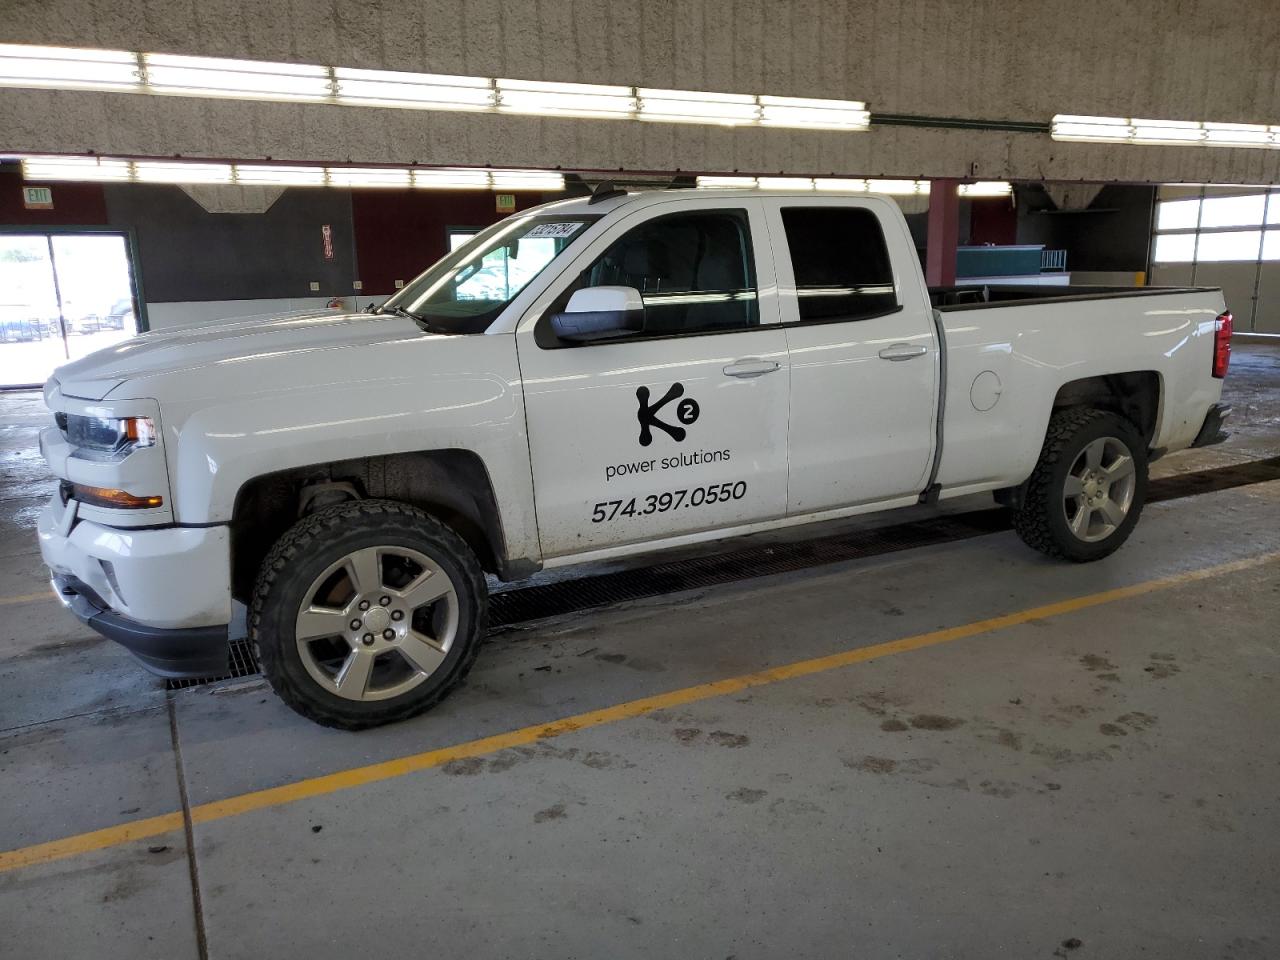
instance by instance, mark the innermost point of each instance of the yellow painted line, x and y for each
(27, 598)
(401, 766)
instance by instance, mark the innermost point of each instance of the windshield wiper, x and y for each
(400, 311)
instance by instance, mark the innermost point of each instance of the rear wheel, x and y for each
(1088, 488)
(366, 613)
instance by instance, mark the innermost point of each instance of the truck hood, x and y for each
(180, 349)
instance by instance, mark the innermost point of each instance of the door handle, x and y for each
(903, 351)
(749, 367)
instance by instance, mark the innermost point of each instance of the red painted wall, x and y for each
(74, 204)
(993, 220)
(399, 233)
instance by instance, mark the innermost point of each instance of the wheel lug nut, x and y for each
(388, 634)
(355, 624)
(368, 639)
(364, 604)
(384, 601)
(397, 614)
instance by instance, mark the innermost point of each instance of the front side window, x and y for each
(694, 272)
(467, 290)
(841, 263)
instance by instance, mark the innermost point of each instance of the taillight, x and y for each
(1222, 344)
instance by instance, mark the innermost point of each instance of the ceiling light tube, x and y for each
(526, 180)
(390, 177)
(816, 114)
(899, 188)
(68, 68)
(272, 175)
(239, 79)
(840, 184)
(1240, 135)
(784, 183)
(148, 171)
(422, 91)
(96, 169)
(986, 188)
(726, 183)
(535, 97)
(688, 106)
(451, 179)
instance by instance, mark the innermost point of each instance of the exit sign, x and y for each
(37, 198)
(506, 203)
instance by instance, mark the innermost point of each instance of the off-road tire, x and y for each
(1040, 519)
(317, 540)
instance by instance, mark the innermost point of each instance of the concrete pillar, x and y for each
(944, 233)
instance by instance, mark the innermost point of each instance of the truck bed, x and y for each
(1003, 295)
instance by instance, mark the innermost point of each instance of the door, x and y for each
(864, 356)
(681, 426)
(64, 296)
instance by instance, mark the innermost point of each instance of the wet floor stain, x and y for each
(747, 795)
(722, 738)
(870, 764)
(894, 725)
(1094, 663)
(553, 812)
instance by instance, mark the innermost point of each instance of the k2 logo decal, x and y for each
(687, 411)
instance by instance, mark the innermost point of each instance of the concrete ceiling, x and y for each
(984, 60)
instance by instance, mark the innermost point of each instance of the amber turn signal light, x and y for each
(107, 497)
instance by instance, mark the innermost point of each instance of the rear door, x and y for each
(863, 351)
(679, 428)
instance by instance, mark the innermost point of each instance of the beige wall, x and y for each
(987, 59)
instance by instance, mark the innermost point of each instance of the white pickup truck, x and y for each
(588, 379)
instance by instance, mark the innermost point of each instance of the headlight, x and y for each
(108, 434)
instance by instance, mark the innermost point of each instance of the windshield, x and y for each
(465, 292)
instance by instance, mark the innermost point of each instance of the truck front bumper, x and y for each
(164, 594)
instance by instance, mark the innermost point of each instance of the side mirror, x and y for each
(600, 313)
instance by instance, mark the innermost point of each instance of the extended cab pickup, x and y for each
(588, 379)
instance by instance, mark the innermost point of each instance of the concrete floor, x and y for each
(1096, 781)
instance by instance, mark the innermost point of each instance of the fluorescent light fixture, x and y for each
(817, 114)
(458, 179)
(1178, 132)
(687, 106)
(270, 175)
(784, 183)
(899, 188)
(391, 177)
(67, 68)
(726, 183)
(986, 188)
(526, 180)
(96, 169)
(840, 184)
(239, 79)
(421, 91)
(537, 98)
(162, 171)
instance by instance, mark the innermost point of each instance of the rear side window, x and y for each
(693, 270)
(841, 263)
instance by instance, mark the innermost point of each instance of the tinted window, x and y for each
(694, 272)
(840, 261)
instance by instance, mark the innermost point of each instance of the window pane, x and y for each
(1232, 212)
(1177, 214)
(1234, 245)
(694, 272)
(1175, 248)
(840, 261)
(1271, 245)
(1273, 211)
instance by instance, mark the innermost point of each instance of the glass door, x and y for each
(62, 296)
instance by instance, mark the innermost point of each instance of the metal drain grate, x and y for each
(569, 596)
(242, 662)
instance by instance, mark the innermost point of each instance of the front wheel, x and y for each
(367, 612)
(1088, 488)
